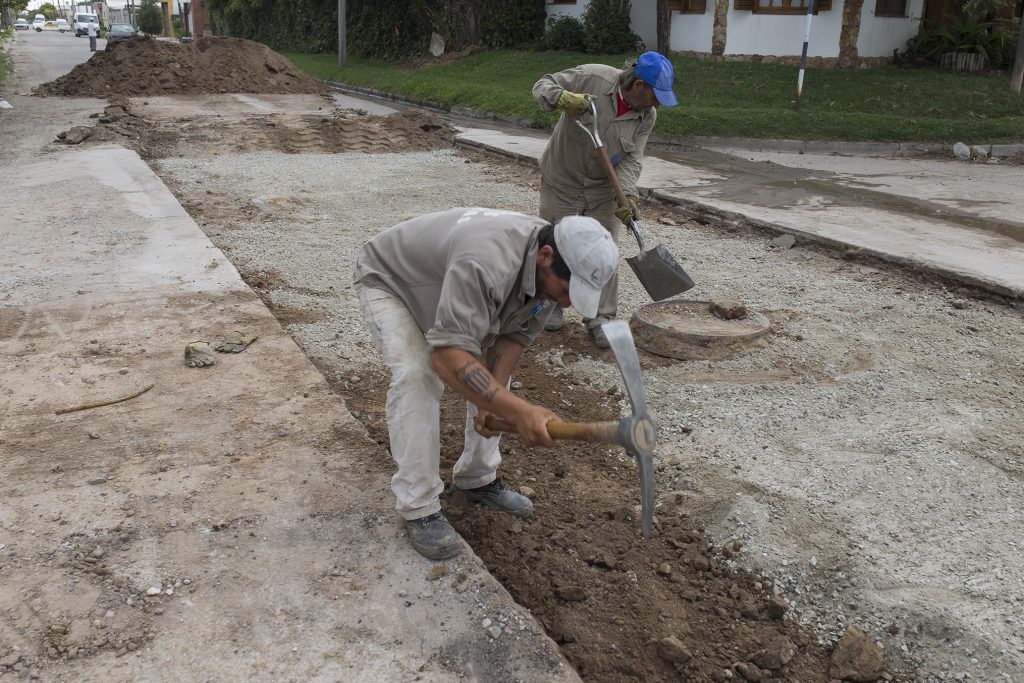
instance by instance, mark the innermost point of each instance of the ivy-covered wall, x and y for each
(380, 28)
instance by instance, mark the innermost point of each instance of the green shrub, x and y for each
(565, 33)
(607, 27)
(151, 20)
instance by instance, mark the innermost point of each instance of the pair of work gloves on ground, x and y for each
(575, 104)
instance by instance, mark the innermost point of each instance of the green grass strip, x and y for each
(729, 99)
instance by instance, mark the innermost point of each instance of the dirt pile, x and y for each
(145, 66)
(346, 130)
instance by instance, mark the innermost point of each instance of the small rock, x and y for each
(571, 593)
(960, 151)
(665, 569)
(665, 220)
(486, 623)
(728, 309)
(856, 658)
(528, 492)
(672, 650)
(979, 152)
(775, 655)
(783, 242)
(11, 659)
(437, 572)
(516, 386)
(494, 631)
(98, 480)
(152, 590)
(776, 607)
(749, 671)
(93, 435)
(97, 553)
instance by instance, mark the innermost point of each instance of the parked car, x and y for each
(21, 25)
(82, 21)
(63, 26)
(119, 32)
(38, 24)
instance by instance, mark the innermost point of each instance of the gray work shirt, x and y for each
(467, 275)
(569, 162)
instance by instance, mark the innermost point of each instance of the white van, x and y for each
(82, 21)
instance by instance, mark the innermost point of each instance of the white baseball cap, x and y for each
(589, 251)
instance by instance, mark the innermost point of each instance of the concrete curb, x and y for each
(700, 211)
(708, 214)
(883, 149)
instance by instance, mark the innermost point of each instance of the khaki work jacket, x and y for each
(467, 276)
(569, 162)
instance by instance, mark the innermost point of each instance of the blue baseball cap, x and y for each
(657, 72)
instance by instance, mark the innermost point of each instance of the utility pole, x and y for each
(1018, 65)
(341, 32)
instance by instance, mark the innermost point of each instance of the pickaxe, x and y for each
(635, 433)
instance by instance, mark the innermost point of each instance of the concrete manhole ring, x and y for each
(689, 330)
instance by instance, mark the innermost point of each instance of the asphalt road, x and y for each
(46, 55)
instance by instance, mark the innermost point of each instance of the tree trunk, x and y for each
(664, 27)
(1018, 65)
(849, 33)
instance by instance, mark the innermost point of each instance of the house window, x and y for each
(782, 6)
(688, 6)
(891, 8)
(561, 2)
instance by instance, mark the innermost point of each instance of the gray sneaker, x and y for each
(433, 537)
(554, 322)
(600, 340)
(495, 495)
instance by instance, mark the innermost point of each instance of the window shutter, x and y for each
(890, 8)
(698, 6)
(676, 5)
(744, 5)
(823, 5)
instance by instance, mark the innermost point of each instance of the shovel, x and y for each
(656, 269)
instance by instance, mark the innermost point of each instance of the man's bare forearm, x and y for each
(475, 382)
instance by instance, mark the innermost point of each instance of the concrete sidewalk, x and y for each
(230, 523)
(963, 222)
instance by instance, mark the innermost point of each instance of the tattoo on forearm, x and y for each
(477, 379)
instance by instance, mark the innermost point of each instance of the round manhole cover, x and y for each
(689, 330)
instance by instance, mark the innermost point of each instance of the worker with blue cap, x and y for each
(573, 180)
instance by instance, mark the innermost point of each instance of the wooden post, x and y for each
(341, 32)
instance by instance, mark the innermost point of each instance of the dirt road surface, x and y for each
(864, 464)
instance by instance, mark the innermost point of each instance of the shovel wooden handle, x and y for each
(613, 177)
(594, 432)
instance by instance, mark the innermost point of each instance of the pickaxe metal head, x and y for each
(637, 432)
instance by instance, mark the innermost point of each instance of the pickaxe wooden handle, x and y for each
(594, 432)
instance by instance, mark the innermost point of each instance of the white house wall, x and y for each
(751, 33)
(879, 36)
(568, 10)
(692, 32)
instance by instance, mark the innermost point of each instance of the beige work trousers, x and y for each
(557, 204)
(413, 411)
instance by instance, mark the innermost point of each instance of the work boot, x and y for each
(554, 322)
(495, 495)
(433, 537)
(598, 335)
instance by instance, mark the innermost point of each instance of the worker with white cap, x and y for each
(452, 298)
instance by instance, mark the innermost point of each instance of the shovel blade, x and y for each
(659, 273)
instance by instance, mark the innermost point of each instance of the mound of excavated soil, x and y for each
(145, 66)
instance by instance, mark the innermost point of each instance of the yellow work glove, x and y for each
(628, 212)
(573, 103)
